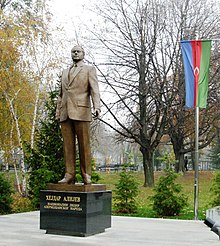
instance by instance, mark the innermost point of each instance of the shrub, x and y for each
(168, 199)
(126, 192)
(21, 204)
(38, 181)
(215, 190)
(5, 195)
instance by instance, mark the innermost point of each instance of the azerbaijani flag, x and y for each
(196, 59)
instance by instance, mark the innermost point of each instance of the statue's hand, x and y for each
(97, 112)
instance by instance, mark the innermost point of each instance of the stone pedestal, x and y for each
(213, 219)
(214, 214)
(77, 210)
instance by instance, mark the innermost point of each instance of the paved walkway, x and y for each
(23, 230)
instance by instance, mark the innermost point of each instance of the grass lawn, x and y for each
(143, 201)
(187, 182)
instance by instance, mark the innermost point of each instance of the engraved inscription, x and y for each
(71, 203)
(53, 198)
(71, 199)
(75, 207)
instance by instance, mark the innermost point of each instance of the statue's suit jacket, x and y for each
(79, 86)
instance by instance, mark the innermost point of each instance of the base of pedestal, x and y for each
(70, 233)
(75, 213)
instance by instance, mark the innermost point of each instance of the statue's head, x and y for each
(77, 53)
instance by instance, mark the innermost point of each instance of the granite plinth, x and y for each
(75, 213)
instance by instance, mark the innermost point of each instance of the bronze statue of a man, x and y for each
(79, 86)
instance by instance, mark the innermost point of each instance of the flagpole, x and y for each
(196, 184)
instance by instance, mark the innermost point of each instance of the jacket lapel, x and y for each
(65, 77)
(74, 71)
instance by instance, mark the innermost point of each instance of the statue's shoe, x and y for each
(68, 179)
(87, 179)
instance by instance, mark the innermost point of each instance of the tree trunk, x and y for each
(14, 163)
(179, 165)
(15, 118)
(148, 167)
(179, 155)
(35, 116)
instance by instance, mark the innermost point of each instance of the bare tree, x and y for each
(137, 73)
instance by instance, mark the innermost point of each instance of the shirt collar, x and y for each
(78, 64)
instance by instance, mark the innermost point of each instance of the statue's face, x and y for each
(77, 53)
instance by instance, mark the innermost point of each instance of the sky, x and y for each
(66, 9)
(70, 13)
(70, 16)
